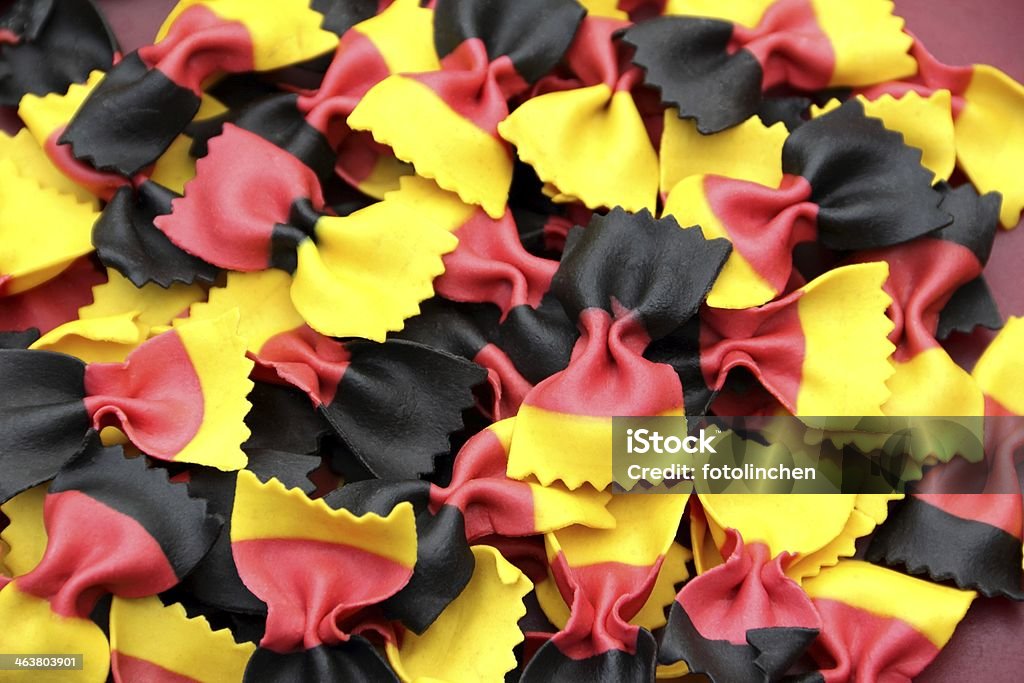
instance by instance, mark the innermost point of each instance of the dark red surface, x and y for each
(986, 646)
(765, 224)
(229, 213)
(490, 264)
(199, 45)
(92, 550)
(750, 590)
(306, 359)
(155, 397)
(790, 46)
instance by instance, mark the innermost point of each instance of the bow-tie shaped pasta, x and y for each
(445, 121)
(606, 576)
(716, 70)
(847, 183)
(359, 275)
(323, 574)
(113, 526)
(393, 404)
(479, 504)
(628, 281)
(179, 396)
(880, 625)
(986, 106)
(145, 101)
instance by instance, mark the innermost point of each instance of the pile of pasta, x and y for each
(314, 316)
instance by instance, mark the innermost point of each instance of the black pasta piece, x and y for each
(46, 45)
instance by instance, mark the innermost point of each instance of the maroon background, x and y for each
(987, 645)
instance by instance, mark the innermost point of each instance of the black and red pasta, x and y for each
(979, 99)
(445, 120)
(127, 240)
(148, 98)
(479, 505)
(286, 444)
(847, 183)
(490, 265)
(392, 404)
(627, 280)
(471, 331)
(742, 621)
(398, 39)
(180, 396)
(604, 590)
(970, 538)
(799, 349)
(878, 624)
(964, 522)
(717, 70)
(380, 274)
(123, 233)
(113, 526)
(591, 128)
(937, 287)
(323, 574)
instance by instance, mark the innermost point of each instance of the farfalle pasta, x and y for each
(179, 396)
(188, 647)
(937, 287)
(321, 322)
(742, 620)
(888, 633)
(102, 539)
(288, 228)
(47, 46)
(123, 234)
(156, 91)
(838, 187)
(54, 302)
(281, 542)
(986, 519)
(479, 503)
(715, 70)
(472, 332)
(982, 99)
(489, 52)
(399, 39)
(793, 347)
(373, 395)
(605, 590)
(619, 317)
(584, 132)
(23, 202)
